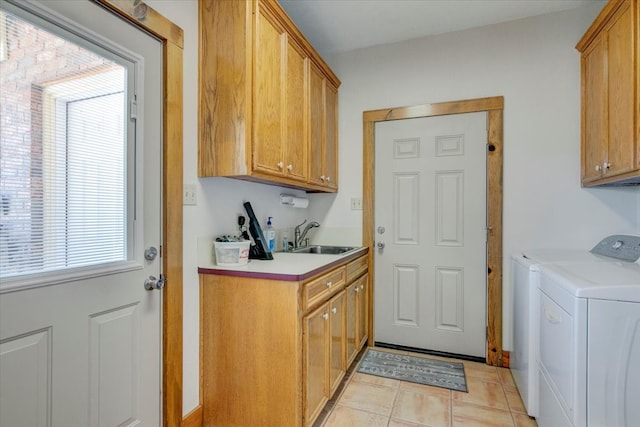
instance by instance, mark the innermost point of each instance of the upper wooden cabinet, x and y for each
(323, 124)
(261, 116)
(611, 96)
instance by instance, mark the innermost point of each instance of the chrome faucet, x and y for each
(299, 236)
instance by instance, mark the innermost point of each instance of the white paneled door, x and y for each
(80, 336)
(430, 219)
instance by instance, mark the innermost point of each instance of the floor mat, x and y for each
(421, 370)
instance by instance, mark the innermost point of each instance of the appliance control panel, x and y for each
(619, 246)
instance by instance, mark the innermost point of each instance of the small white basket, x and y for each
(232, 253)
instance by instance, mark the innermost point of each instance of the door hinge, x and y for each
(133, 110)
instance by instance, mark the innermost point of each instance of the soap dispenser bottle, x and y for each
(271, 235)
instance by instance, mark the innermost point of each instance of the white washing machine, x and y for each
(589, 339)
(524, 279)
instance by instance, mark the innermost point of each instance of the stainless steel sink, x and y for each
(327, 250)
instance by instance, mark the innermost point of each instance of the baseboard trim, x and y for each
(431, 352)
(193, 418)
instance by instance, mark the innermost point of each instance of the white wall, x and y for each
(532, 63)
(219, 200)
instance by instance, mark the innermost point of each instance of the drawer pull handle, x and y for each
(550, 316)
(334, 310)
(329, 284)
(325, 316)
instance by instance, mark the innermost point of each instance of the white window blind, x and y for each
(63, 162)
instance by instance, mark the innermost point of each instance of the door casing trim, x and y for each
(494, 107)
(172, 38)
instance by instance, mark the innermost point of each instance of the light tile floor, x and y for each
(370, 401)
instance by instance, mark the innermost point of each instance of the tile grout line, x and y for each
(395, 400)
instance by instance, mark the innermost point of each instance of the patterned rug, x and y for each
(419, 370)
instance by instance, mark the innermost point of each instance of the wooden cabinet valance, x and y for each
(267, 100)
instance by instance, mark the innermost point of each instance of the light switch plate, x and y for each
(189, 195)
(356, 204)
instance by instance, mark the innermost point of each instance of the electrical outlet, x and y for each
(189, 196)
(356, 204)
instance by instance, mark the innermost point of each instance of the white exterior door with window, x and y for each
(80, 336)
(430, 218)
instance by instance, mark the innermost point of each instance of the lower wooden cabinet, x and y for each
(316, 359)
(274, 351)
(324, 354)
(356, 317)
(337, 344)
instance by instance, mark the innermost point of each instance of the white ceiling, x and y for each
(342, 25)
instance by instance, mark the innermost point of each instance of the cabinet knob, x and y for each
(289, 168)
(329, 284)
(322, 178)
(280, 165)
(328, 178)
(325, 316)
(606, 165)
(361, 286)
(598, 168)
(334, 310)
(357, 289)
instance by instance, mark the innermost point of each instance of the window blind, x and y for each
(63, 148)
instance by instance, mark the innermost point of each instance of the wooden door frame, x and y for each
(172, 38)
(494, 108)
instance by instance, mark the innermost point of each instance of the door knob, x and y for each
(151, 283)
(380, 244)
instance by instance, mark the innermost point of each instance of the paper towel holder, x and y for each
(289, 200)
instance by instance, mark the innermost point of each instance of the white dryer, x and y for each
(589, 339)
(524, 280)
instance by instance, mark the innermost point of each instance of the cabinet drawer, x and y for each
(320, 289)
(357, 267)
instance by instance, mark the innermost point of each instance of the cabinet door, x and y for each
(331, 136)
(316, 125)
(352, 335)
(268, 80)
(295, 158)
(337, 365)
(594, 115)
(362, 311)
(316, 358)
(620, 54)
